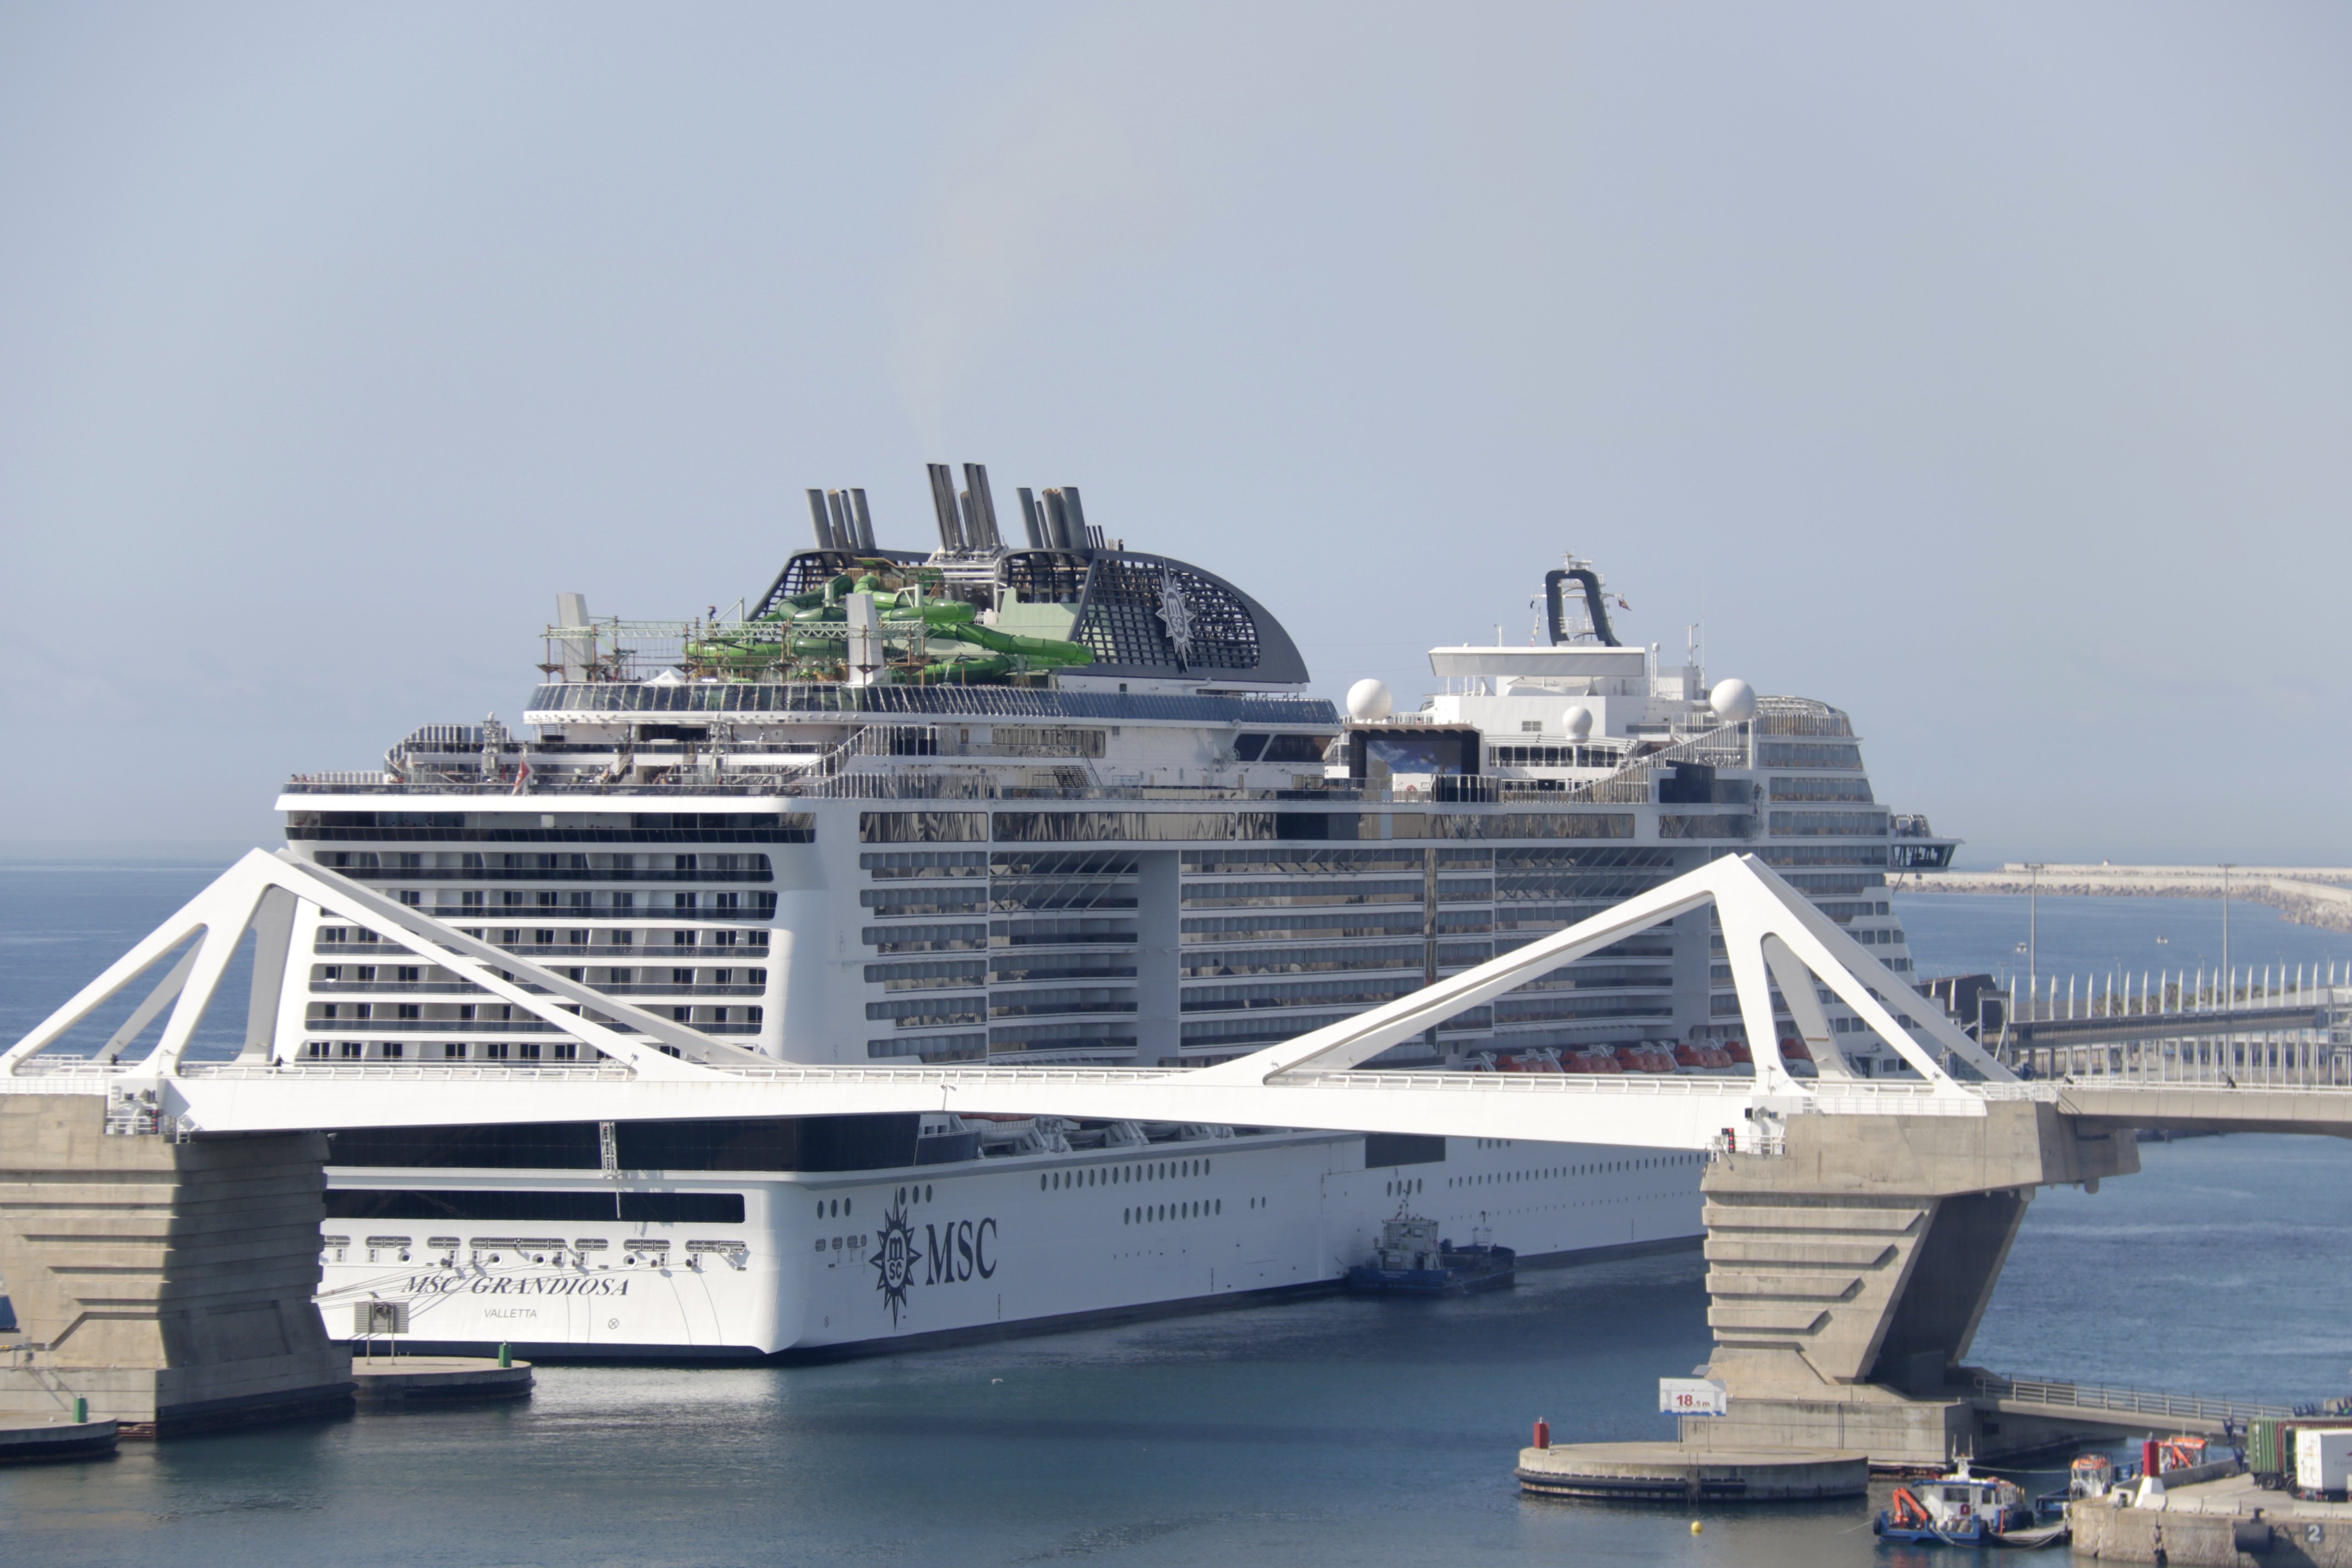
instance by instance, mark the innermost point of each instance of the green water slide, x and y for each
(810, 632)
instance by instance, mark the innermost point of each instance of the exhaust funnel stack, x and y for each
(863, 519)
(1085, 538)
(984, 505)
(943, 503)
(1031, 521)
(820, 515)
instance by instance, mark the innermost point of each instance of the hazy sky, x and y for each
(1986, 371)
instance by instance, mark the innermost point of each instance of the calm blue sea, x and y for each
(1331, 1432)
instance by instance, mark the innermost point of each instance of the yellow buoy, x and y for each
(1697, 1528)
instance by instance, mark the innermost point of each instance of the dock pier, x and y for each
(2223, 1523)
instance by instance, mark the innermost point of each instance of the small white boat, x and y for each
(1958, 1509)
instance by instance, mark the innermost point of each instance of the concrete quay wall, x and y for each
(170, 1284)
(2185, 1540)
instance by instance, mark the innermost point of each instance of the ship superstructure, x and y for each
(1052, 802)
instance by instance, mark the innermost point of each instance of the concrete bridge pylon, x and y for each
(1850, 1261)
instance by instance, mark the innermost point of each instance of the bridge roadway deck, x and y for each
(1662, 1112)
(2207, 1107)
(1677, 1111)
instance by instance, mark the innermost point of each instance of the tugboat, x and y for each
(1413, 1261)
(1958, 1509)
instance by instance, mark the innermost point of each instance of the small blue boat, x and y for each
(1413, 1261)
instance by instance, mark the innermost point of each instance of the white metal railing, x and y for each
(2121, 994)
(2055, 1395)
(1729, 1144)
(1728, 746)
(2189, 1015)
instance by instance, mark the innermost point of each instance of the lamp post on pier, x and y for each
(2033, 937)
(2228, 985)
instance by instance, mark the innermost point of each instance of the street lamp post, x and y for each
(2034, 935)
(2228, 986)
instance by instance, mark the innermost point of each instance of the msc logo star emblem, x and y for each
(1176, 614)
(895, 1258)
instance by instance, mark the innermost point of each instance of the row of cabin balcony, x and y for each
(474, 905)
(367, 865)
(349, 941)
(471, 1017)
(337, 979)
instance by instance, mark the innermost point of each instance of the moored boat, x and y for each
(1413, 1260)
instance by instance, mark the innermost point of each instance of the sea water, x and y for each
(1331, 1431)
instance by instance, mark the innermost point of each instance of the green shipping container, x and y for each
(2269, 1448)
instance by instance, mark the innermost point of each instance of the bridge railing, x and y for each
(2060, 1396)
(2309, 1057)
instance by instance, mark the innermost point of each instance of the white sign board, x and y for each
(1693, 1396)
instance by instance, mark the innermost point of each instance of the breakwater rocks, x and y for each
(2317, 895)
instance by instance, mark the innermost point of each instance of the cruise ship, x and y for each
(1045, 801)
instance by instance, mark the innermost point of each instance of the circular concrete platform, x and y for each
(25, 1442)
(1668, 1472)
(438, 1379)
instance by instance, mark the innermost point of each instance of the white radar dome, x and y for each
(1577, 723)
(1369, 701)
(1734, 700)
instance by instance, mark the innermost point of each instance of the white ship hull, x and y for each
(1067, 805)
(862, 1260)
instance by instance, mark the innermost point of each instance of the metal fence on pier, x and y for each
(2107, 1397)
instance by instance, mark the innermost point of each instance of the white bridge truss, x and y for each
(634, 1065)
